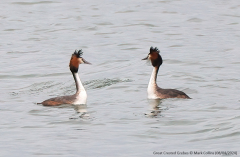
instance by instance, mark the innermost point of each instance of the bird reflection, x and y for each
(81, 110)
(155, 109)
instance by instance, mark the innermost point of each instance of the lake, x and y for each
(199, 44)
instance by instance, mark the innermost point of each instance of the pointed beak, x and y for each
(85, 62)
(145, 58)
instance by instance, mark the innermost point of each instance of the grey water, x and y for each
(199, 44)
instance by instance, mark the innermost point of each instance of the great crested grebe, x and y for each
(155, 92)
(80, 97)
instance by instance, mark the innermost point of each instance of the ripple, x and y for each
(11, 29)
(33, 3)
(104, 23)
(35, 88)
(93, 84)
(217, 137)
(176, 46)
(195, 20)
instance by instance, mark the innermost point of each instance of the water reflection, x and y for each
(81, 110)
(154, 108)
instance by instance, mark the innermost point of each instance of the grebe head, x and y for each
(77, 59)
(154, 57)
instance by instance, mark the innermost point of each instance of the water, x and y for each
(199, 43)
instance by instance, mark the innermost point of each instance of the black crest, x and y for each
(152, 49)
(78, 53)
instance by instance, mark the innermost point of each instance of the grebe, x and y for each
(80, 97)
(155, 92)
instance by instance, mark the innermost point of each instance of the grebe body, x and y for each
(155, 92)
(80, 97)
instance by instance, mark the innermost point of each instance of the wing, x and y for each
(59, 100)
(172, 93)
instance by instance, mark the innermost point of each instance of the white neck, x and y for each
(152, 85)
(79, 85)
(153, 77)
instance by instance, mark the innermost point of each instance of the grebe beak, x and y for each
(85, 62)
(145, 58)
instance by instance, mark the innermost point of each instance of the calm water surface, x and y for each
(199, 43)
